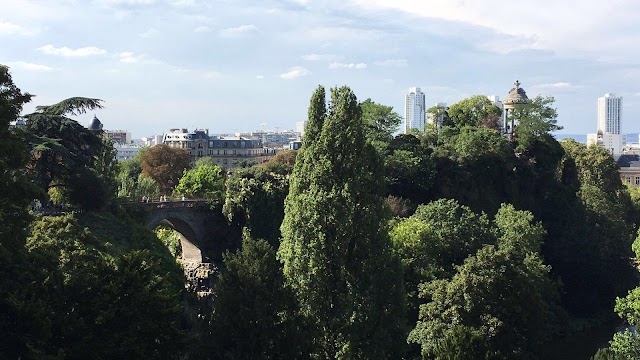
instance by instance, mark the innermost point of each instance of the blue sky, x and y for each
(234, 65)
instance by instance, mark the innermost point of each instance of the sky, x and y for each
(234, 65)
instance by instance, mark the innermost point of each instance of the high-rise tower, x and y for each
(609, 116)
(609, 113)
(414, 110)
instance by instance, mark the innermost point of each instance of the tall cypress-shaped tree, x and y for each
(335, 250)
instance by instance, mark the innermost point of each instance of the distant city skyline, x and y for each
(231, 66)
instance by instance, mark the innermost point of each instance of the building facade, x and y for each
(629, 169)
(609, 113)
(226, 151)
(118, 136)
(414, 110)
(126, 151)
(614, 143)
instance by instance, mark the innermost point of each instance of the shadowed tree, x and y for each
(65, 154)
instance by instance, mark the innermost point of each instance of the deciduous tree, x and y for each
(165, 165)
(255, 313)
(205, 180)
(476, 111)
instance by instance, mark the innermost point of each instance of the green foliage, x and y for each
(336, 254)
(147, 187)
(496, 306)
(609, 230)
(517, 230)
(21, 321)
(255, 313)
(84, 280)
(380, 122)
(126, 178)
(66, 154)
(205, 180)
(171, 239)
(475, 166)
(70, 106)
(607, 354)
(165, 165)
(282, 163)
(460, 231)
(474, 144)
(254, 199)
(418, 248)
(440, 114)
(475, 111)
(16, 192)
(535, 119)
(408, 169)
(627, 344)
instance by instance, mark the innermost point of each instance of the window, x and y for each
(628, 179)
(637, 180)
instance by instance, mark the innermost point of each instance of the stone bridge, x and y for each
(204, 233)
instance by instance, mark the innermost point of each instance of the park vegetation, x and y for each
(447, 243)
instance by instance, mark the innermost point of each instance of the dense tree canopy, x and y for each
(66, 155)
(380, 122)
(476, 111)
(205, 180)
(498, 245)
(535, 119)
(165, 165)
(335, 252)
(255, 314)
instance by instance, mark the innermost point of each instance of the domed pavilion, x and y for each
(517, 98)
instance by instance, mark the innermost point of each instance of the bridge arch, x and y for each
(204, 233)
(189, 242)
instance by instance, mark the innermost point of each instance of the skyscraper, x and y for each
(414, 110)
(609, 116)
(609, 113)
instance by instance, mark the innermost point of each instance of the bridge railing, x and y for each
(164, 202)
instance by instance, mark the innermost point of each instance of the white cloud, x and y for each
(259, 77)
(65, 51)
(201, 29)
(7, 28)
(556, 86)
(131, 57)
(212, 75)
(337, 65)
(294, 73)
(561, 26)
(151, 32)
(344, 34)
(238, 30)
(183, 3)
(319, 57)
(392, 63)
(127, 2)
(28, 66)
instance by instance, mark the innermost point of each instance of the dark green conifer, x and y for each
(335, 251)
